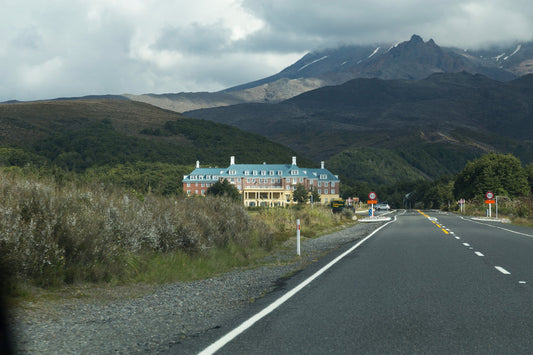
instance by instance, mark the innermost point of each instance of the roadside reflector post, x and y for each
(298, 237)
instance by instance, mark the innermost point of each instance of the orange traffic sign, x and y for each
(372, 202)
(490, 201)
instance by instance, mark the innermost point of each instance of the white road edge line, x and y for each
(493, 226)
(211, 349)
(502, 270)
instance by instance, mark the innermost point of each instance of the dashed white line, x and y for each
(457, 238)
(502, 270)
(466, 244)
(479, 253)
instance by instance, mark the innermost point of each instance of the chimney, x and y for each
(197, 164)
(232, 160)
(293, 160)
(322, 164)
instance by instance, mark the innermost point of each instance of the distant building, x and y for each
(264, 184)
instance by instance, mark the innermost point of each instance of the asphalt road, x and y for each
(425, 283)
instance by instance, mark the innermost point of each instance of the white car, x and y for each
(382, 206)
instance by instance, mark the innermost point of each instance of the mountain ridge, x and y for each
(461, 114)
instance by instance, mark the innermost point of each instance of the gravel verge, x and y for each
(160, 316)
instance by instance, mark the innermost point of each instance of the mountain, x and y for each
(81, 134)
(413, 59)
(435, 124)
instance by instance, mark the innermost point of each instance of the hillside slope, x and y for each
(436, 124)
(80, 134)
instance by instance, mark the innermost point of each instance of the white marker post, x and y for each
(298, 237)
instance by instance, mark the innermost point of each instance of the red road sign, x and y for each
(489, 195)
(372, 196)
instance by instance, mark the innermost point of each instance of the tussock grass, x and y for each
(53, 235)
(518, 210)
(62, 234)
(314, 221)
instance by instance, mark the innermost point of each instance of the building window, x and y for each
(280, 172)
(323, 176)
(320, 191)
(332, 184)
(254, 172)
(294, 172)
(188, 184)
(271, 173)
(246, 172)
(319, 184)
(301, 179)
(263, 172)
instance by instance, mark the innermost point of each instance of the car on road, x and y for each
(382, 206)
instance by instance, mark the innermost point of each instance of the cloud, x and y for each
(75, 47)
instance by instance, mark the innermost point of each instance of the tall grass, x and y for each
(313, 220)
(54, 234)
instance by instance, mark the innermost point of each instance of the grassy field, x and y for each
(61, 236)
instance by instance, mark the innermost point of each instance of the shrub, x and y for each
(55, 234)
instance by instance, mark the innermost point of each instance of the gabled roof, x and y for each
(265, 170)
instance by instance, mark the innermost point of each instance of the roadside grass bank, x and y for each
(63, 238)
(518, 210)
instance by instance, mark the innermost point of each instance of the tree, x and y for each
(315, 195)
(529, 172)
(499, 173)
(300, 194)
(224, 188)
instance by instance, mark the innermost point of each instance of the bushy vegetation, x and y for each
(59, 228)
(314, 220)
(55, 235)
(502, 174)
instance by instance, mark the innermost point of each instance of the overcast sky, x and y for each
(57, 48)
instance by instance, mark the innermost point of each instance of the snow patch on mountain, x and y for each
(515, 51)
(313, 62)
(374, 52)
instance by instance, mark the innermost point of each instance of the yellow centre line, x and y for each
(435, 223)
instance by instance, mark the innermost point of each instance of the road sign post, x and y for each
(489, 201)
(372, 200)
(462, 205)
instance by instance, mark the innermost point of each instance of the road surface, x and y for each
(428, 282)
